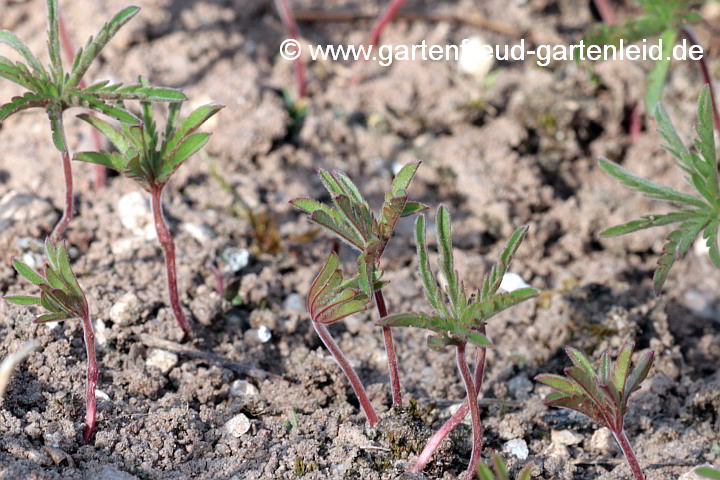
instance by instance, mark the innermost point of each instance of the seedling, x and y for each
(149, 159)
(351, 220)
(699, 213)
(63, 299)
(708, 472)
(501, 472)
(457, 318)
(601, 395)
(56, 91)
(329, 301)
(666, 19)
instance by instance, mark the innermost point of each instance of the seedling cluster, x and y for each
(458, 315)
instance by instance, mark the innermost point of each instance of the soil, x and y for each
(518, 148)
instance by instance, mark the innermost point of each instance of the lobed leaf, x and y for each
(706, 139)
(483, 310)
(17, 104)
(9, 38)
(679, 242)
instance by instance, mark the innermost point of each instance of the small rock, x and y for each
(162, 360)
(565, 437)
(476, 57)
(264, 334)
(134, 211)
(557, 450)
(237, 426)
(100, 395)
(126, 311)
(242, 388)
(201, 233)
(258, 335)
(100, 333)
(294, 303)
(235, 259)
(602, 441)
(39, 457)
(520, 387)
(518, 448)
(24, 207)
(108, 472)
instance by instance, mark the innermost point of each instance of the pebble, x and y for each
(162, 360)
(264, 334)
(520, 387)
(476, 58)
(242, 388)
(126, 310)
(100, 333)
(602, 441)
(294, 303)
(134, 211)
(100, 395)
(201, 233)
(565, 437)
(111, 473)
(518, 448)
(237, 426)
(235, 259)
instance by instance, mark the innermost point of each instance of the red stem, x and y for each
(100, 174)
(67, 172)
(690, 35)
(355, 382)
(622, 440)
(455, 420)
(606, 12)
(288, 20)
(168, 245)
(384, 20)
(477, 429)
(92, 376)
(390, 349)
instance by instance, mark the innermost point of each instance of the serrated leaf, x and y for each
(679, 242)
(482, 311)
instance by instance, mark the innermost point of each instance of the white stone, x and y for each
(518, 448)
(100, 333)
(237, 426)
(241, 388)
(476, 58)
(134, 211)
(126, 310)
(235, 259)
(264, 334)
(602, 441)
(162, 360)
(512, 282)
(102, 395)
(201, 233)
(565, 437)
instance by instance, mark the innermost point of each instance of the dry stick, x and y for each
(477, 440)
(390, 349)
(100, 174)
(340, 358)
(622, 440)
(168, 246)
(455, 420)
(690, 35)
(92, 376)
(288, 20)
(67, 172)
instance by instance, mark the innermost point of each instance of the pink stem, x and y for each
(455, 420)
(390, 349)
(67, 172)
(100, 174)
(635, 123)
(384, 20)
(168, 245)
(477, 429)
(92, 376)
(355, 382)
(288, 20)
(706, 74)
(622, 440)
(606, 12)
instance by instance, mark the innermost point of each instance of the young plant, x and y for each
(149, 159)
(601, 395)
(351, 220)
(457, 318)
(56, 90)
(698, 213)
(708, 472)
(329, 301)
(666, 19)
(62, 298)
(501, 472)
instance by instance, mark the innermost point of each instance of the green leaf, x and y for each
(559, 383)
(622, 367)
(190, 125)
(711, 235)
(650, 221)
(649, 188)
(29, 100)
(54, 42)
(492, 281)
(483, 310)
(116, 137)
(14, 42)
(28, 273)
(444, 238)
(580, 360)
(51, 317)
(526, 473)
(402, 180)
(477, 338)
(309, 205)
(706, 139)
(189, 147)
(708, 472)
(484, 472)
(658, 75)
(113, 161)
(639, 373)
(23, 300)
(426, 274)
(675, 145)
(93, 103)
(348, 187)
(679, 242)
(137, 92)
(86, 56)
(325, 220)
(412, 208)
(500, 468)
